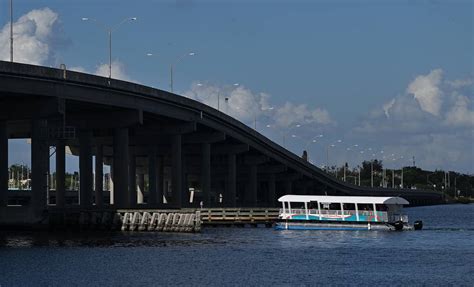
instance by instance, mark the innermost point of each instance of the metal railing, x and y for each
(364, 215)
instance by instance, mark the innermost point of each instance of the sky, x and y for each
(390, 80)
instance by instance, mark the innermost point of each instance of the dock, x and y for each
(159, 220)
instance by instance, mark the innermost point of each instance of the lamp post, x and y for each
(174, 64)
(11, 31)
(219, 96)
(327, 151)
(359, 174)
(372, 170)
(109, 30)
(312, 140)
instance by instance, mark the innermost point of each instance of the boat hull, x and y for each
(320, 225)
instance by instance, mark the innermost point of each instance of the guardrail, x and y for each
(239, 215)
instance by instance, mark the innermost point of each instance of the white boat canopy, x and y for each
(344, 199)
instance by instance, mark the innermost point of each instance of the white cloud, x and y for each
(290, 114)
(78, 69)
(460, 83)
(425, 89)
(461, 113)
(34, 37)
(244, 105)
(433, 121)
(118, 71)
(387, 107)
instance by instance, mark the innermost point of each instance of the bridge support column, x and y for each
(152, 190)
(85, 168)
(231, 195)
(99, 176)
(140, 187)
(177, 172)
(271, 190)
(60, 173)
(206, 173)
(160, 182)
(253, 185)
(3, 164)
(39, 165)
(120, 167)
(132, 181)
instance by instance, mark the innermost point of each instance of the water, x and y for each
(441, 254)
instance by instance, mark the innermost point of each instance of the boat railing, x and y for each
(398, 217)
(382, 216)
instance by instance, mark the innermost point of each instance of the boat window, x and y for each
(313, 205)
(349, 206)
(381, 207)
(365, 206)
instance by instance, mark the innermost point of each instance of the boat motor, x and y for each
(418, 225)
(398, 225)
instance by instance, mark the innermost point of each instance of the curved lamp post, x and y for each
(174, 64)
(327, 152)
(109, 30)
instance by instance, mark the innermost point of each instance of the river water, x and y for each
(441, 254)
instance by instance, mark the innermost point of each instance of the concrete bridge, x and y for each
(172, 143)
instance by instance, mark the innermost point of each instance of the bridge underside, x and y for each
(151, 159)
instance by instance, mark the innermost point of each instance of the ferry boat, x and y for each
(323, 212)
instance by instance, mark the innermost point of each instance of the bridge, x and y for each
(162, 149)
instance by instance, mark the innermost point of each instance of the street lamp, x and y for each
(327, 151)
(219, 97)
(151, 55)
(109, 30)
(175, 63)
(312, 140)
(11, 31)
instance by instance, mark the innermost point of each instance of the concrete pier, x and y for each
(99, 175)
(85, 168)
(132, 179)
(253, 185)
(3, 163)
(176, 171)
(230, 197)
(39, 166)
(120, 167)
(152, 177)
(272, 190)
(206, 173)
(60, 173)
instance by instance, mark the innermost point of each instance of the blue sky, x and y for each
(328, 66)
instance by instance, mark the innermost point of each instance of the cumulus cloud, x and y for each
(461, 113)
(387, 107)
(290, 114)
(241, 103)
(460, 83)
(118, 71)
(425, 89)
(433, 120)
(36, 35)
